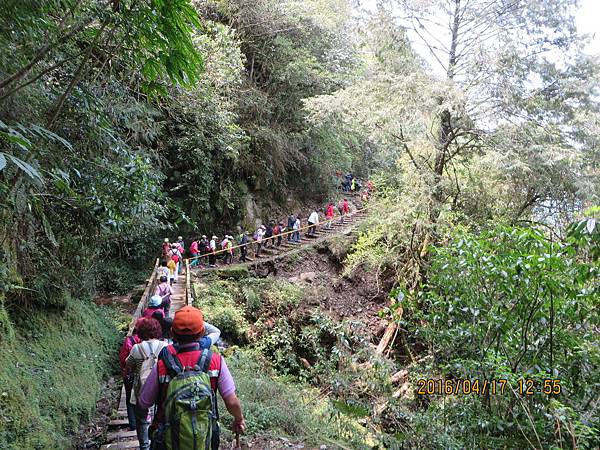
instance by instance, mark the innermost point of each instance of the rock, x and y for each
(308, 276)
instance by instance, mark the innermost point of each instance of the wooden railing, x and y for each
(189, 300)
(151, 284)
(287, 233)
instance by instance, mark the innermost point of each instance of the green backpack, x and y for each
(190, 420)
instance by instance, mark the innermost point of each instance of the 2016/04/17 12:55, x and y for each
(462, 386)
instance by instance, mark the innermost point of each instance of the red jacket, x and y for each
(330, 212)
(346, 206)
(126, 347)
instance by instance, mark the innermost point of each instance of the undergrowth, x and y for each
(52, 372)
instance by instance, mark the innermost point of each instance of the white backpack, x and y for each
(150, 355)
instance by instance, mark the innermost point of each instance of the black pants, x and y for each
(243, 252)
(212, 259)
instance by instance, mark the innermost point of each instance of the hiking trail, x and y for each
(119, 437)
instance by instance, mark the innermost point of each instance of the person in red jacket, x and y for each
(329, 213)
(126, 347)
(187, 330)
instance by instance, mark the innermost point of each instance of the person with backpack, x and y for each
(166, 247)
(141, 361)
(163, 270)
(313, 221)
(290, 226)
(172, 266)
(183, 385)
(154, 304)
(277, 234)
(340, 208)
(329, 213)
(243, 241)
(346, 207)
(228, 249)
(268, 234)
(212, 257)
(126, 347)
(258, 237)
(181, 244)
(164, 290)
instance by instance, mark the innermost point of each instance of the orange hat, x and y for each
(188, 321)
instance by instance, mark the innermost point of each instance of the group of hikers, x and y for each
(203, 251)
(172, 368)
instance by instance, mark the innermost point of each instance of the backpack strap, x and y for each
(204, 360)
(171, 362)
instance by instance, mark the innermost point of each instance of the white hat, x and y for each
(155, 301)
(214, 237)
(263, 227)
(180, 238)
(166, 239)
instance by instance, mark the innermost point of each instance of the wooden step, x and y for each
(121, 445)
(115, 423)
(122, 435)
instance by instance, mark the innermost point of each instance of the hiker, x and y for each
(340, 208)
(296, 227)
(154, 304)
(141, 361)
(165, 291)
(172, 271)
(277, 234)
(194, 251)
(175, 255)
(204, 249)
(244, 249)
(290, 226)
(212, 257)
(181, 243)
(179, 377)
(166, 330)
(258, 237)
(313, 221)
(228, 247)
(166, 247)
(268, 234)
(329, 213)
(163, 270)
(224, 247)
(126, 347)
(346, 207)
(353, 185)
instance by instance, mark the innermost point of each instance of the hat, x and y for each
(203, 236)
(166, 239)
(214, 237)
(155, 301)
(180, 238)
(188, 321)
(263, 227)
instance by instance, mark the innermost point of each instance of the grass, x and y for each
(52, 372)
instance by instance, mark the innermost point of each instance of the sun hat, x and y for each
(166, 239)
(155, 301)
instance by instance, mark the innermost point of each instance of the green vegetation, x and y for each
(125, 121)
(53, 373)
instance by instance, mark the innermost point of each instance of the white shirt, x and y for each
(259, 235)
(213, 244)
(314, 217)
